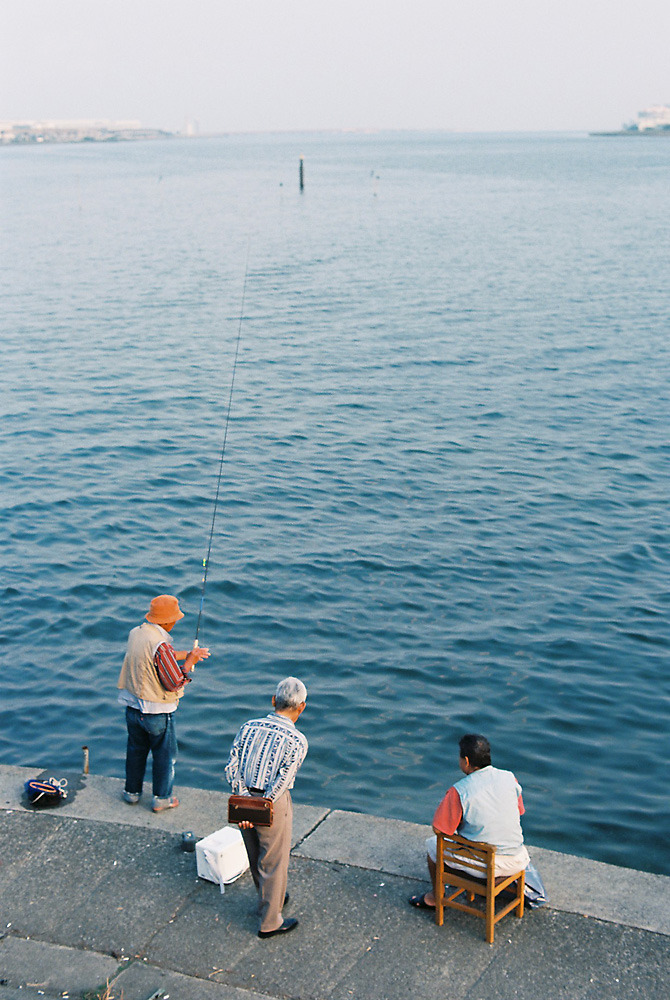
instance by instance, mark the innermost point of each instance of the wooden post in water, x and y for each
(85, 764)
(302, 173)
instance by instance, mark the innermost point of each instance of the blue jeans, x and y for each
(155, 734)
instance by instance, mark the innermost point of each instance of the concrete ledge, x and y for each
(383, 845)
(141, 979)
(100, 800)
(53, 968)
(574, 884)
(96, 890)
(38, 969)
(593, 889)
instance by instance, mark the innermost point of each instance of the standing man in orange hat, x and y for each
(151, 683)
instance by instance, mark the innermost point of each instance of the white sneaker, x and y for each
(158, 805)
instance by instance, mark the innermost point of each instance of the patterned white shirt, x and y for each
(266, 755)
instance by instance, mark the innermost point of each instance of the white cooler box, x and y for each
(228, 854)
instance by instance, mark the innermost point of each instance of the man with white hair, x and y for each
(264, 760)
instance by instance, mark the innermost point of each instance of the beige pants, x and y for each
(268, 850)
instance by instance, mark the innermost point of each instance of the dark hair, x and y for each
(476, 748)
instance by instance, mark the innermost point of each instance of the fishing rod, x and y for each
(205, 561)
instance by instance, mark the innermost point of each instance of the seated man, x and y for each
(485, 806)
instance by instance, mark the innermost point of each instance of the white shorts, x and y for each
(506, 864)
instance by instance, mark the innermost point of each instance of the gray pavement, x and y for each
(97, 892)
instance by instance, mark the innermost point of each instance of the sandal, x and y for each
(420, 902)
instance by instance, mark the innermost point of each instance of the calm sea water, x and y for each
(445, 491)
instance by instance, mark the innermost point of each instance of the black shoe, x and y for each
(284, 928)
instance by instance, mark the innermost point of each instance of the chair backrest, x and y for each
(454, 852)
(457, 851)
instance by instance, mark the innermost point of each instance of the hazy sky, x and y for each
(238, 65)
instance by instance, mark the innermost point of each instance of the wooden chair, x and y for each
(480, 858)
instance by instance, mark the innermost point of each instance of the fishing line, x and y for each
(205, 561)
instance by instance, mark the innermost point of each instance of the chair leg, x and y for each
(490, 914)
(439, 888)
(521, 886)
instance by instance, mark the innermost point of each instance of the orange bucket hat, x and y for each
(164, 608)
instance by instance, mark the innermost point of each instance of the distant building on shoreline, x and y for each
(651, 121)
(78, 130)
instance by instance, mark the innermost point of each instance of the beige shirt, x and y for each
(138, 673)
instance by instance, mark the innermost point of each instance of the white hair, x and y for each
(290, 693)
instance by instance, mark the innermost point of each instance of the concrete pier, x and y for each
(96, 892)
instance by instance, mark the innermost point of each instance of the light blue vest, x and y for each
(490, 809)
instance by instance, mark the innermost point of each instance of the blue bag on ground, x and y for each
(45, 793)
(534, 893)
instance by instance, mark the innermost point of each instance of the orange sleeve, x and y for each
(519, 800)
(449, 813)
